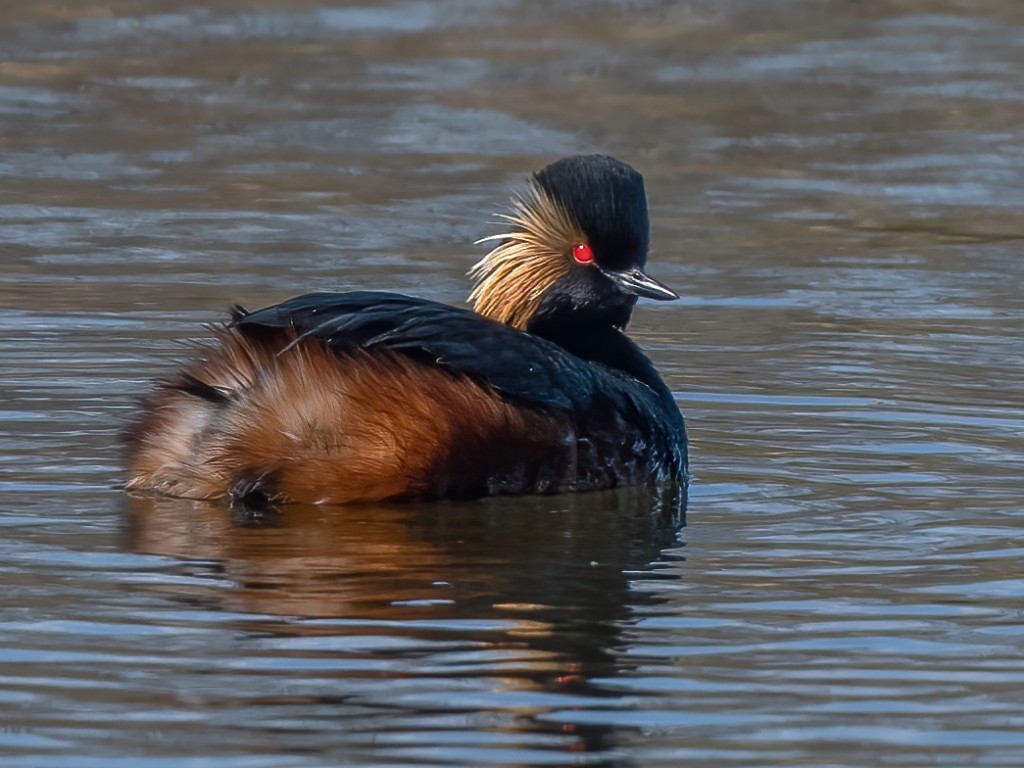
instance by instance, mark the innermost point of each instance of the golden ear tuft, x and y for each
(528, 260)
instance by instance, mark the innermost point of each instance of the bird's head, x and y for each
(574, 251)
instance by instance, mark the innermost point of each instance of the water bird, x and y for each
(372, 396)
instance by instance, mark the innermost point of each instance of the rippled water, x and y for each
(836, 189)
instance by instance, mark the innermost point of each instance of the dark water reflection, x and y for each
(403, 621)
(836, 190)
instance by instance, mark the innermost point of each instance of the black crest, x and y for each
(606, 198)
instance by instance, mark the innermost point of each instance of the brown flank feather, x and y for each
(512, 278)
(305, 424)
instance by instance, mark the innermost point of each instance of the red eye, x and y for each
(583, 253)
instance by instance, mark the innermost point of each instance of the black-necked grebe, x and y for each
(365, 396)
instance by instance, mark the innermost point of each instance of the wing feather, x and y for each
(523, 368)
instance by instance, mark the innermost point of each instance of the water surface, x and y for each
(836, 190)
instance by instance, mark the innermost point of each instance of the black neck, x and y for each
(601, 343)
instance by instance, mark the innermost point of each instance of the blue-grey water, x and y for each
(837, 191)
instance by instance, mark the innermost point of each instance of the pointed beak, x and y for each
(639, 284)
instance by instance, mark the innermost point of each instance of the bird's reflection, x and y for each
(542, 583)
